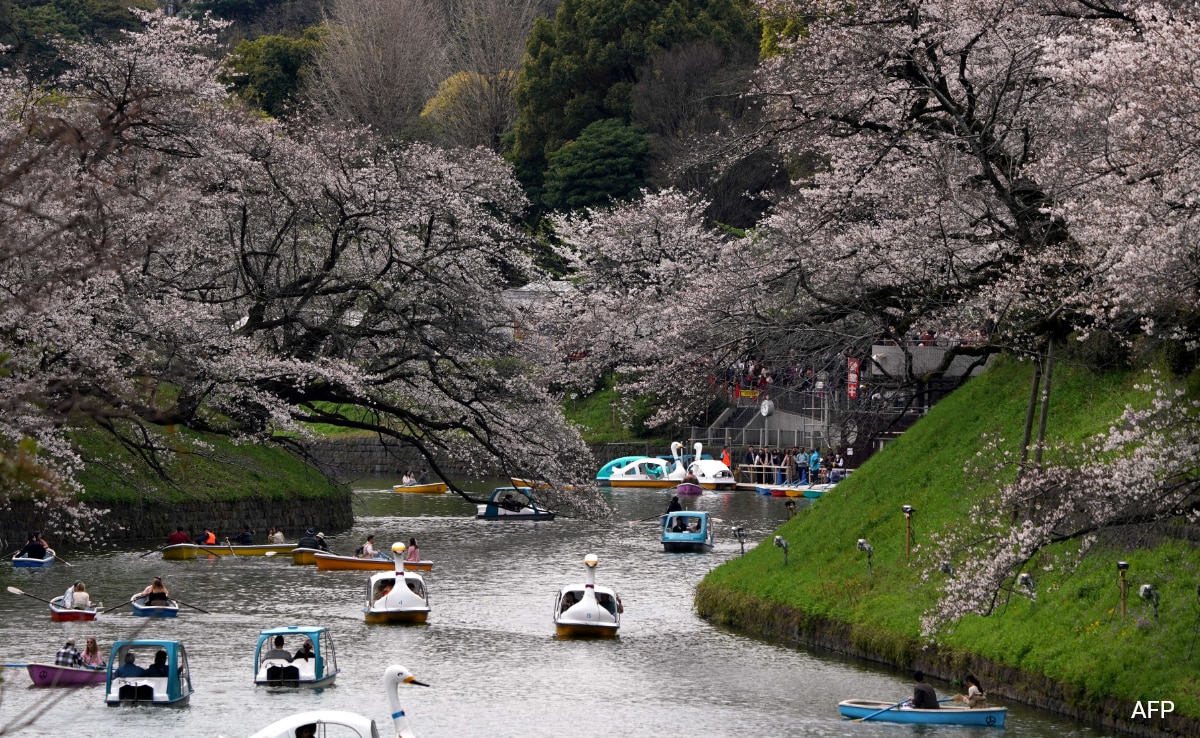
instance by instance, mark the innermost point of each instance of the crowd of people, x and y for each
(793, 465)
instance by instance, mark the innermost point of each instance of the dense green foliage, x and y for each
(29, 29)
(1073, 633)
(607, 162)
(269, 71)
(582, 67)
(203, 467)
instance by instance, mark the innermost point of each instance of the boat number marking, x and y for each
(991, 720)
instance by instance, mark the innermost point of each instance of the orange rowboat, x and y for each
(333, 562)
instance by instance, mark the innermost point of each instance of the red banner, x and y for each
(852, 378)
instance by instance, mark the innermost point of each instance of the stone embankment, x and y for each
(789, 626)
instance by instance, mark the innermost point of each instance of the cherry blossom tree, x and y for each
(173, 260)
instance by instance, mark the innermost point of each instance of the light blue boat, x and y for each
(24, 561)
(685, 531)
(886, 712)
(161, 681)
(314, 663)
(606, 471)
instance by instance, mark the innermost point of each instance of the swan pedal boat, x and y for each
(141, 609)
(398, 596)
(19, 562)
(172, 690)
(428, 488)
(687, 531)
(393, 677)
(60, 614)
(945, 715)
(587, 609)
(319, 671)
(185, 551)
(52, 675)
(521, 507)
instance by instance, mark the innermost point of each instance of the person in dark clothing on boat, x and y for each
(924, 698)
(305, 652)
(178, 537)
(34, 548)
(308, 540)
(129, 669)
(68, 656)
(674, 506)
(321, 544)
(245, 538)
(209, 538)
(159, 667)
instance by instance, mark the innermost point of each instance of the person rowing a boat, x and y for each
(245, 538)
(68, 655)
(924, 698)
(155, 593)
(76, 597)
(367, 550)
(209, 538)
(178, 537)
(34, 548)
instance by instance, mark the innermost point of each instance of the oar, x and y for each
(878, 712)
(150, 552)
(118, 607)
(201, 609)
(14, 665)
(230, 544)
(646, 520)
(16, 591)
(68, 563)
(209, 550)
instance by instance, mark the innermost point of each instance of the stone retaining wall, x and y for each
(151, 520)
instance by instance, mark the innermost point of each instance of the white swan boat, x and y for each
(587, 609)
(397, 596)
(316, 722)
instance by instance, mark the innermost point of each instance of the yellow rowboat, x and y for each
(192, 550)
(305, 556)
(432, 488)
(418, 566)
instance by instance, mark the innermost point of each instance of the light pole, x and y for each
(908, 513)
(781, 542)
(870, 550)
(1122, 567)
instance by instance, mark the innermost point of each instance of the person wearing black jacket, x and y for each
(924, 697)
(308, 540)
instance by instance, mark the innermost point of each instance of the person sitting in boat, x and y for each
(92, 658)
(924, 698)
(974, 696)
(156, 593)
(277, 651)
(159, 668)
(305, 652)
(413, 553)
(308, 730)
(680, 525)
(674, 505)
(68, 655)
(607, 601)
(384, 589)
(690, 478)
(508, 503)
(308, 540)
(80, 600)
(179, 537)
(275, 536)
(568, 601)
(408, 477)
(34, 548)
(129, 668)
(415, 586)
(367, 550)
(245, 538)
(321, 544)
(209, 538)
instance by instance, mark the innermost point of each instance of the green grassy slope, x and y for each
(1072, 634)
(205, 467)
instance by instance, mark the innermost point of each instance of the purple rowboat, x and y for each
(687, 488)
(50, 675)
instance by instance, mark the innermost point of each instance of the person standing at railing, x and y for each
(802, 466)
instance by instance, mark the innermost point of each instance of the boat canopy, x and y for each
(325, 658)
(686, 522)
(178, 681)
(607, 470)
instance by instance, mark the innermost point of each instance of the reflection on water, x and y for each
(489, 649)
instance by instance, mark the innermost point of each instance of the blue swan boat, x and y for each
(685, 531)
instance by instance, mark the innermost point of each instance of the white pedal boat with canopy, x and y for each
(587, 609)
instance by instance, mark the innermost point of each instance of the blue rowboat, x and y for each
(24, 561)
(947, 715)
(146, 678)
(685, 531)
(141, 609)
